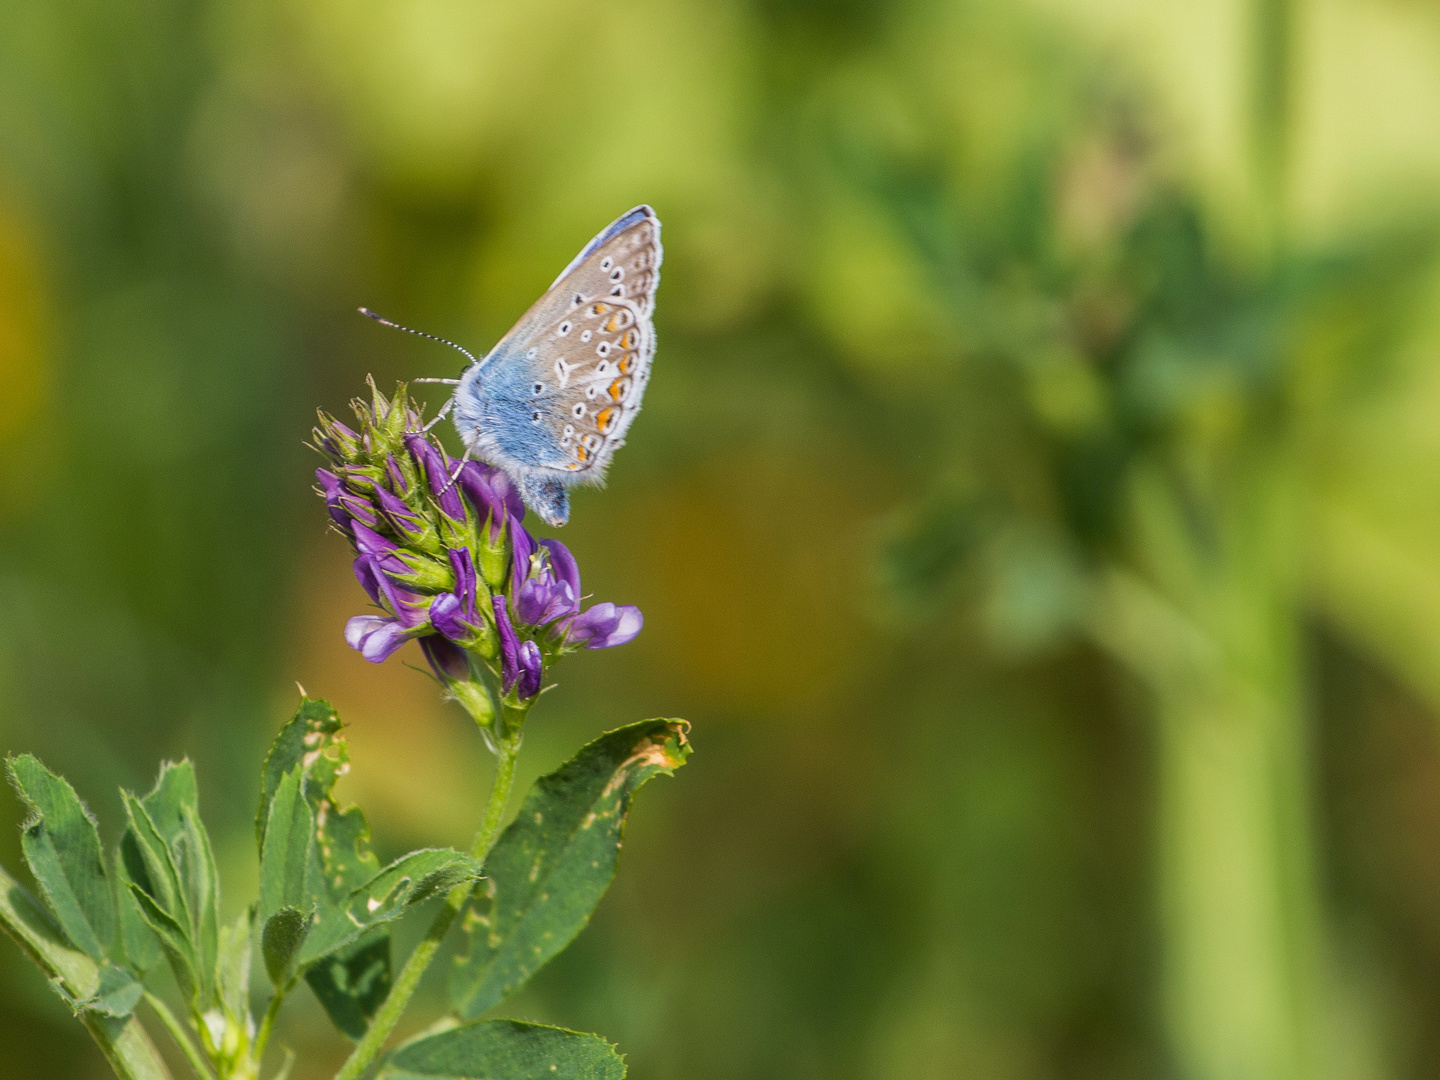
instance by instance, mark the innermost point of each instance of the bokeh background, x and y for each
(1036, 507)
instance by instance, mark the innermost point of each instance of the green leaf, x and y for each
(116, 995)
(284, 933)
(353, 983)
(74, 976)
(309, 739)
(407, 881)
(506, 1050)
(232, 970)
(173, 880)
(555, 861)
(138, 943)
(62, 847)
(288, 859)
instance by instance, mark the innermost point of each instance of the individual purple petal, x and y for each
(397, 475)
(437, 469)
(532, 667)
(446, 659)
(604, 626)
(404, 520)
(563, 565)
(447, 614)
(509, 645)
(333, 488)
(465, 581)
(375, 637)
(546, 584)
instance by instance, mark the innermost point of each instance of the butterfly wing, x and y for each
(551, 403)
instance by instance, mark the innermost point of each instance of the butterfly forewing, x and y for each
(562, 387)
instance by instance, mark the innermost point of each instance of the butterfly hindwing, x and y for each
(558, 392)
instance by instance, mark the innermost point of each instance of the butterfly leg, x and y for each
(444, 411)
(458, 466)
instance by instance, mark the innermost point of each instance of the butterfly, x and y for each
(551, 402)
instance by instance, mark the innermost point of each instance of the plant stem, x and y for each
(198, 1065)
(370, 1045)
(267, 1023)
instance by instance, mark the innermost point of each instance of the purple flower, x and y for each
(604, 626)
(492, 493)
(520, 662)
(454, 614)
(447, 659)
(437, 469)
(376, 637)
(546, 584)
(333, 488)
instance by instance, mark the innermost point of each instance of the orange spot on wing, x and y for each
(624, 364)
(605, 420)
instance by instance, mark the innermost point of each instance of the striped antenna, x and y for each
(418, 333)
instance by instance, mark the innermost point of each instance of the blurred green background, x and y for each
(1036, 507)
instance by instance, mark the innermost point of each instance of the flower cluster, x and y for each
(445, 557)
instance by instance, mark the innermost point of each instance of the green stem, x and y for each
(370, 1045)
(267, 1023)
(198, 1065)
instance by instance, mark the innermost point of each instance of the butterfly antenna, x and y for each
(418, 333)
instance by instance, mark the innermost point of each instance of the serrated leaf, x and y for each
(353, 982)
(553, 864)
(280, 941)
(117, 994)
(309, 739)
(506, 1050)
(62, 848)
(407, 881)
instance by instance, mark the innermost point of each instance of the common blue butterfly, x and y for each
(551, 402)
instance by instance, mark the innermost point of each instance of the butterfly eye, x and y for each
(602, 368)
(579, 410)
(569, 432)
(592, 442)
(591, 391)
(577, 301)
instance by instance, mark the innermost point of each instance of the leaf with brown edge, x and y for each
(550, 868)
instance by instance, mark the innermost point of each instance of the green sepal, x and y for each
(409, 880)
(552, 865)
(62, 847)
(505, 1050)
(425, 573)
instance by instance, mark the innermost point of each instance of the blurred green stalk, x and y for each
(1212, 629)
